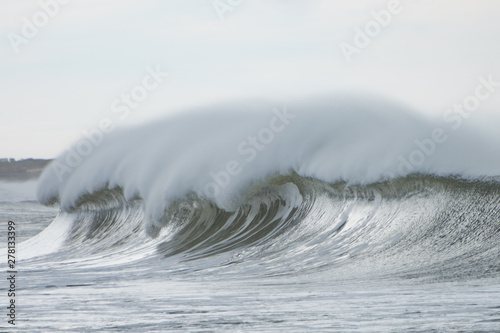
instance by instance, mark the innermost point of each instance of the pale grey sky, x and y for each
(66, 76)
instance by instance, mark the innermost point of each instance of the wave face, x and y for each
(355, 185)
(419, 226)
(220, 153)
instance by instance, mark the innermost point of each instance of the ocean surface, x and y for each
(317, 225)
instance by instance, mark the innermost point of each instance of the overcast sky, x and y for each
(63, 78)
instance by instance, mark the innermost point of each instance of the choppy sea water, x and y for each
(327, 215)
(416, 255)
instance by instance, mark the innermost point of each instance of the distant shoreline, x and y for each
(22, 170)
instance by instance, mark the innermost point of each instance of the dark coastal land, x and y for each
(21, 170)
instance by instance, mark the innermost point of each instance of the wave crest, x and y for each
(219, 152)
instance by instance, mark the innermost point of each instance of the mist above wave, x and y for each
(17, 192)
(218, 152)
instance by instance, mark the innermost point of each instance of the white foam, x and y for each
(48, 241)
(358, 140)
